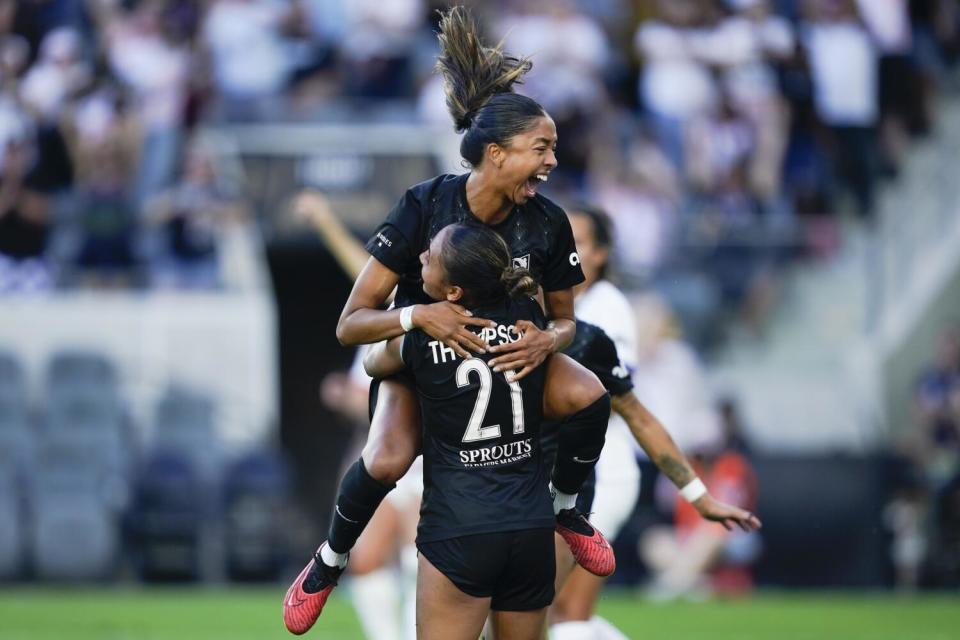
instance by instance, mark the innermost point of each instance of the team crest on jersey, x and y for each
(523, 262)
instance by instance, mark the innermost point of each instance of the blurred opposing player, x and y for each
(617, 477)
(596, 351)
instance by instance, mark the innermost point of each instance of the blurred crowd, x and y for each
(722, 135)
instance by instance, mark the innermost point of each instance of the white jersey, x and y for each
(605, 306)
(618, 477)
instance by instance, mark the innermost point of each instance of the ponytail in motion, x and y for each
(477, 260)
(478, 81)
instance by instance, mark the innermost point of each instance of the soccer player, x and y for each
(509, 142)
(615, 487)
(486, 523)
(577, 592)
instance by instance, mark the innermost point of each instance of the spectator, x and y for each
(248, 55)
(35, 19)
(675, 84)
(922, 514)
(103, 205)
(640, 188)
(189, 216)
(155, 68)
(24, 210)
(570, 53)
(845, 95)
(377, 47)
(58, 74)
(888, 22)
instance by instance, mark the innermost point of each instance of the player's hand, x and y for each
(448, 322)
(712, 509)
(312, 206)
(527, 353)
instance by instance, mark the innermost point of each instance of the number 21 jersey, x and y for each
(482, 462)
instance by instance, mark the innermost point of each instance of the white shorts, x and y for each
(618, 480)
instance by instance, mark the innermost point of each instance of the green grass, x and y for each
(238, 614)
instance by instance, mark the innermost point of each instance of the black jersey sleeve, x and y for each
(563, 265)
(594, 349)
(410, 350)
(396, 242)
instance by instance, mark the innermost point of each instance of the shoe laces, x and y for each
(576, 521)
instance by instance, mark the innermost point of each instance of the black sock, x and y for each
(580, 441)
(357, 500)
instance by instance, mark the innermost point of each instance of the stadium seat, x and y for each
(75, 532)
(73, 366)
(166, 519)
(15, 453)
(13, 391)
(74, 536)
(255, 490)
(185, 426)
(11, 533)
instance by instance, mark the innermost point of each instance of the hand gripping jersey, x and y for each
(537, 232)
(482, 465)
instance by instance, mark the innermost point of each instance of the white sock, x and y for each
(562, 500)
(574, 630)
(408, 586)
(331, 558)
(604, 630)
(375, 599)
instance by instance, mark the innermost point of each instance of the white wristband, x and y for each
(406, 318)
(694, 490)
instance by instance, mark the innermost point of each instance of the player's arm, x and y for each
(363, 322)
(529, 352)
(384, 358)
(314, 207)
(664, 452)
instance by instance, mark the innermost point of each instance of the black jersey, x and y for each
(537, 232)
(482, 465)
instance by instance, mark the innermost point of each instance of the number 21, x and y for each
(475, 429)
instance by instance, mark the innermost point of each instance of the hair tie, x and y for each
(469, 116)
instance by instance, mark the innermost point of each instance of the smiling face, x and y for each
(526, 160)
(434, 276)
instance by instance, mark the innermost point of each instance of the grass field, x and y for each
(241, 614)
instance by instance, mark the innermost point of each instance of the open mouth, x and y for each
(533, 183)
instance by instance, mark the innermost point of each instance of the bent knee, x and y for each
(388, 459)
(587, 390)
(570, 387)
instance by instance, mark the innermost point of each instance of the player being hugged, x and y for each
(486, 525)
(508, 141)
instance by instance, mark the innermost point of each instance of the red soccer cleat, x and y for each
(590, 549)
(301, 609)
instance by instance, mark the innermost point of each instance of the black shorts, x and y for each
(516, 569)
(403, 376)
